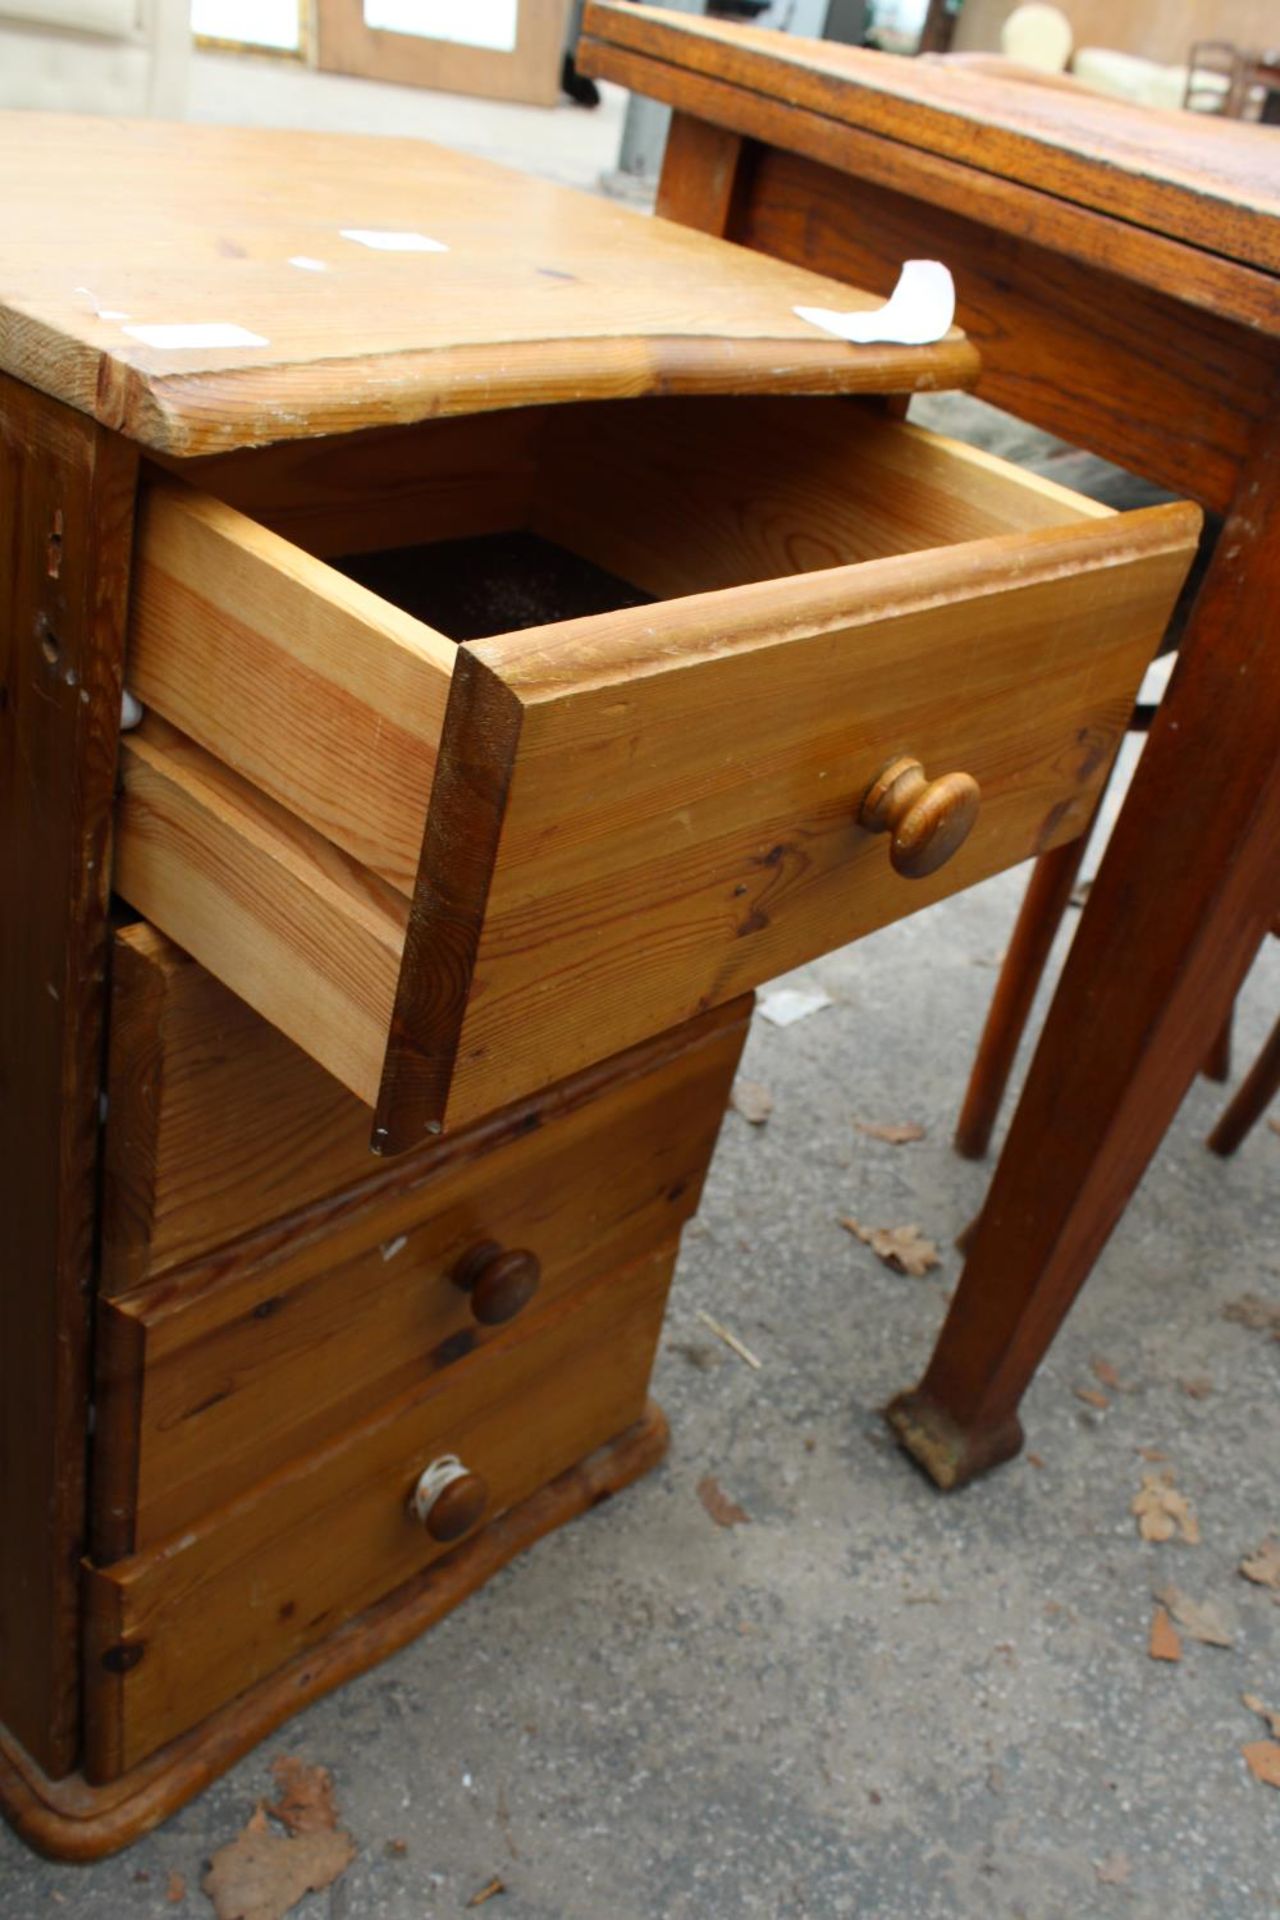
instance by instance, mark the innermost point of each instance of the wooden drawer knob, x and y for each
(500, 1280)
(449, 1500)
(928, 819)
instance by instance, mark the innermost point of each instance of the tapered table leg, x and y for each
(1188, 885)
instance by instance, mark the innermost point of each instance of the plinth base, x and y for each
(71, 1820)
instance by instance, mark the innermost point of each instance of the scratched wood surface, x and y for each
(66, 507)
(181, 1628)
(1209, 181)
(542, 294)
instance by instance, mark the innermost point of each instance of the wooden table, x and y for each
(1119, 269)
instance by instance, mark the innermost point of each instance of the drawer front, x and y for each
(217, 1373)
(641, 813)
(176, 1631)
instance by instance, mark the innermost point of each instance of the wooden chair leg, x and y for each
(1260, 1087)
(1184, 897)
(1039, 917)
(1218, 1065)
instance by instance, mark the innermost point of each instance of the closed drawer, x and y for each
(216, 1373)
(454, 874)
(177, 1630)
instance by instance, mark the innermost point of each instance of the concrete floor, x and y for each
(870, 1701)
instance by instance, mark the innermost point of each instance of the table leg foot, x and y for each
(950, 1454)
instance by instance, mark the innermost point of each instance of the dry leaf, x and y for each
(752, 1101)
(306, 1803)
(1262, 1566)
(724, 1511)
(1263, 1760)
(905, 1249)
(1198, 1387)
(1274, 1125)
(176, 1891)
(1151, 1453)
(1264, 1712)
(1260, 1316)
(1115, 1871)
(1161, 1511)
(1106, 1373)
(1092, 1398)
(1200, 1618)
(897, 1133)
(1163, 1642)
(495, 1886)
(1034, 1460)
(262, 1874)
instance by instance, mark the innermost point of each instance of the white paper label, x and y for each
(382, 240)
(919, 311)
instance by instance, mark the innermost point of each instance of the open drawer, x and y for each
(478, 751)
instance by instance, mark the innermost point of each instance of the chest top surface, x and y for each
(1213, 183)
(204, 288)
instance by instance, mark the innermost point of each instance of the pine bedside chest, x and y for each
(541, 636)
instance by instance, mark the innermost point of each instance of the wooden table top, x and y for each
(532, 292)
(1210, 182)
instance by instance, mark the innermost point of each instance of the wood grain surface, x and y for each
(542, 294)
(215, 1373)
(311, 939)
(177, 1631)
(728, 850)
(1210, 181)
(1065, 342)
(328, 698)
(70, 1820)
(66, 508)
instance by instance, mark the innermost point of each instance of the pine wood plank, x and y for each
(232, 628)
(306, 935)
(71, 1820)
(383, 487)
(216, 1123)
(213, 1375)
(728, 850)
(66, 506)
(542, 294)
(179, 1630)
(325, 696)
(688, 497)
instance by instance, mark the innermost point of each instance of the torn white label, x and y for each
(307, 264)
(213, 333)
(384, 241)
(790, 1004)
(918, 312)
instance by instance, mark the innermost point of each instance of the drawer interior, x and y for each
(468, 715)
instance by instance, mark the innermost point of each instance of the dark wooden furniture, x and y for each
(1120, 270)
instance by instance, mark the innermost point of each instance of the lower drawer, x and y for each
(175, 1632)
(215, 1374)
